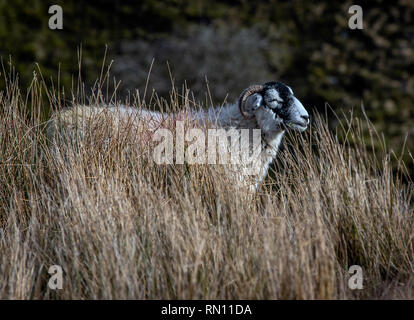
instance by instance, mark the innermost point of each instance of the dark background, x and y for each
(232, 44)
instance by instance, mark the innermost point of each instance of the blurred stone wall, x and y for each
(232, 44)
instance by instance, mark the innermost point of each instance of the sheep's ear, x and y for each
(253, 102)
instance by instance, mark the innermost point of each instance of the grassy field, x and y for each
(122, 227)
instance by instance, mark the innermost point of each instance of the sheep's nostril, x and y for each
(305, 117)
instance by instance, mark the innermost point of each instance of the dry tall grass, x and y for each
(122, 227)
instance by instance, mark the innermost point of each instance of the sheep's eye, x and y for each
(277, 100)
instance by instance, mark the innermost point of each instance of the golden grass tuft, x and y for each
(122, 227)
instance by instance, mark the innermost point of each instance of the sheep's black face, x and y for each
(279, 98)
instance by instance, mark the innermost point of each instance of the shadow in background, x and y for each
(232, 44)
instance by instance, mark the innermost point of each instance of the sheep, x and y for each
(270, 108)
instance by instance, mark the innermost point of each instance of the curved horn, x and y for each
(244, 95)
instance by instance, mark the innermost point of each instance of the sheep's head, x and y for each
(273, 102)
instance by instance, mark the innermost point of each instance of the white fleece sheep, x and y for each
(272, 108)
